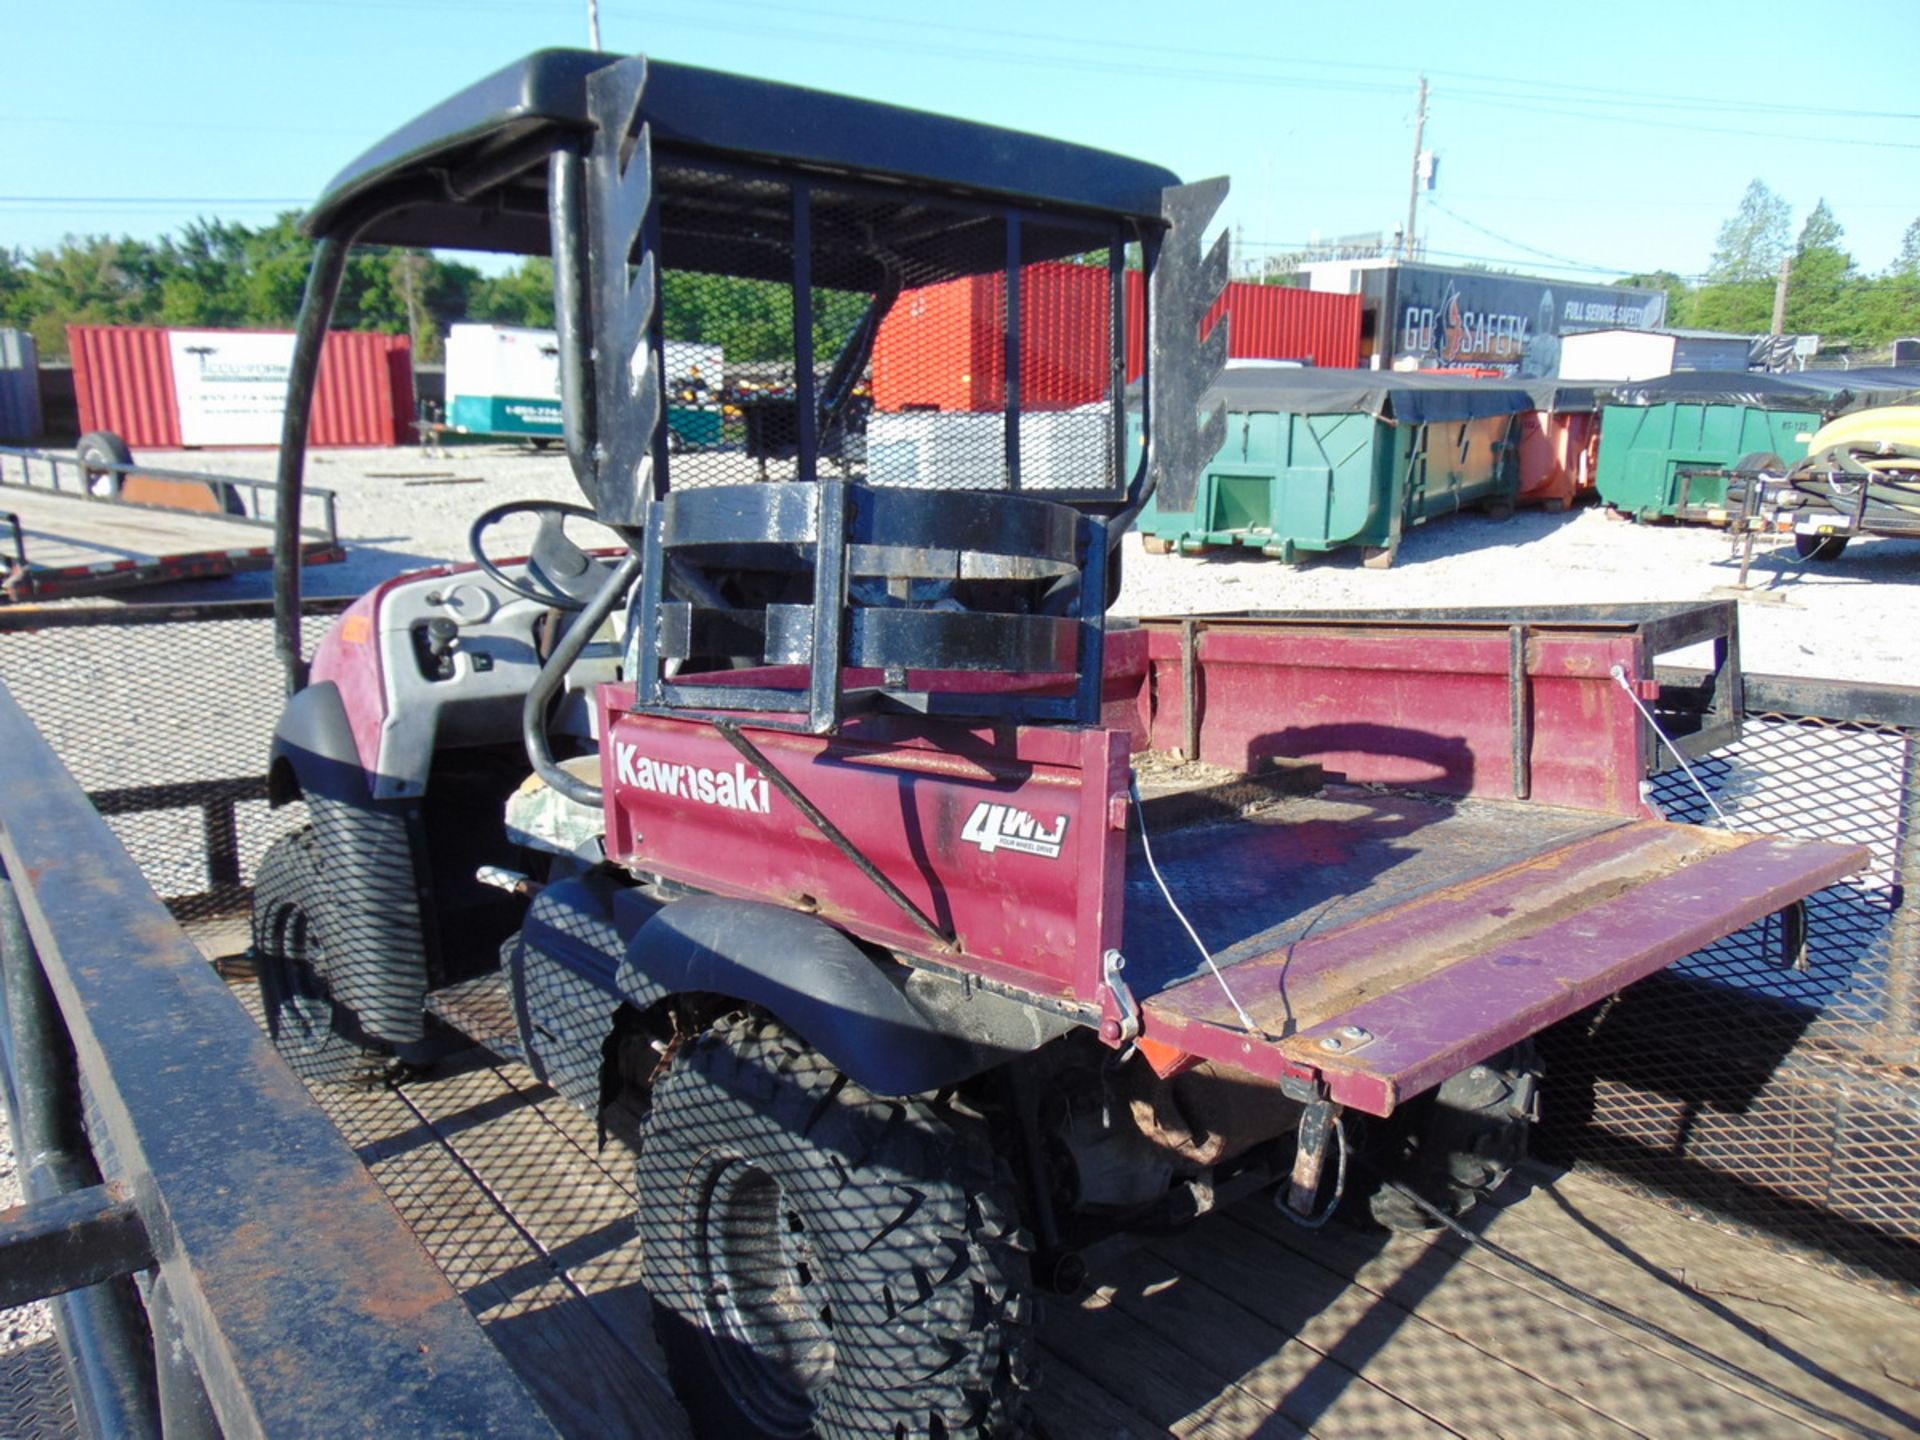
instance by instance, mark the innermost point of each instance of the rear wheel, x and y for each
(1820, 547)
(824, 1261)
(1456, 1145)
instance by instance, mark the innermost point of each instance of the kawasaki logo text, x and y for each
(740, 788)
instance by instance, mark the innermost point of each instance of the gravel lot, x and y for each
(1840, 621)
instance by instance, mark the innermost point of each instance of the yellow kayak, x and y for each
(1886, 428)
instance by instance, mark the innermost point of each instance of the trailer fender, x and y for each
(313, 753)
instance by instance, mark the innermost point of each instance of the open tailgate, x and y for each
(1390, 1005)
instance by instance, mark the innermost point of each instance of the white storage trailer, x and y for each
(505, 380)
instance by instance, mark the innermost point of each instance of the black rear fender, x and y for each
(591, 946)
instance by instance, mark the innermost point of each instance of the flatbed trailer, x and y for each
(59, 538)
(1245, 1325)
(1242, 1325)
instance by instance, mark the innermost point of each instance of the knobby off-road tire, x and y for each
(823, 1261)
(1456, 1145)
(336, 936)
(319, 1039)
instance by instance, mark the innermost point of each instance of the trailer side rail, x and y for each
(224, 1265)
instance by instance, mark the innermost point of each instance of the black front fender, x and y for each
(313, 753)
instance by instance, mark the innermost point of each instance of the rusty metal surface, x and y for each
(1304, 865)
(307, 1305)
(1389, 1002)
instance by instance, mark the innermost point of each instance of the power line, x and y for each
(1526, 107)
(1602, 96)
(1516, 244)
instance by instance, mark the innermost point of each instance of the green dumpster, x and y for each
(1320, 460)
(695, 424)
(1666, 445)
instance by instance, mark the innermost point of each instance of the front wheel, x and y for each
(337, 939)
(824, 1261)
(318, 1036)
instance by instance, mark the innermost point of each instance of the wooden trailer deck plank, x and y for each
(1852, 1328)
(555, 1301)
(1243, 1325)
(1615, 1366)
(66, 530)
(1358, 1332)
(580, 1222)
(1278, 1372)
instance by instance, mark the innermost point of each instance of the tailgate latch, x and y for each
(1124, 1028)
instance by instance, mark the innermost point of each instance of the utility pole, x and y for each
(1413, 190)
(1780, 297)
(593, 23)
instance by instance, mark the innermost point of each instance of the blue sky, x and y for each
(1607, 138)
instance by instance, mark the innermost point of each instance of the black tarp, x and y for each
(1563, 397)
(1828, 392)
(1393, 396)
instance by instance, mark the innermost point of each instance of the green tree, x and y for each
(1907, 263)
(1742, 307)
(522, 296)
(1679, 294)
(1753, 242)
(1823, 297)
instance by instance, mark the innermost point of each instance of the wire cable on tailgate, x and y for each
(1146, 847)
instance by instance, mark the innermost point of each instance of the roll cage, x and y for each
(631, 173)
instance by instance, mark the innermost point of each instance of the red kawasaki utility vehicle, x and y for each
(925, 933)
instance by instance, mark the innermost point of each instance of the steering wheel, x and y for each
(559, 572)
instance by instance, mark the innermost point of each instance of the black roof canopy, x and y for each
(468, 174)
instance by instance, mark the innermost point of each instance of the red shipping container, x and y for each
(944, 346)
(1275, 322)
(123, 380)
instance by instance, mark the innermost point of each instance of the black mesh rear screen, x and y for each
(911, 366)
